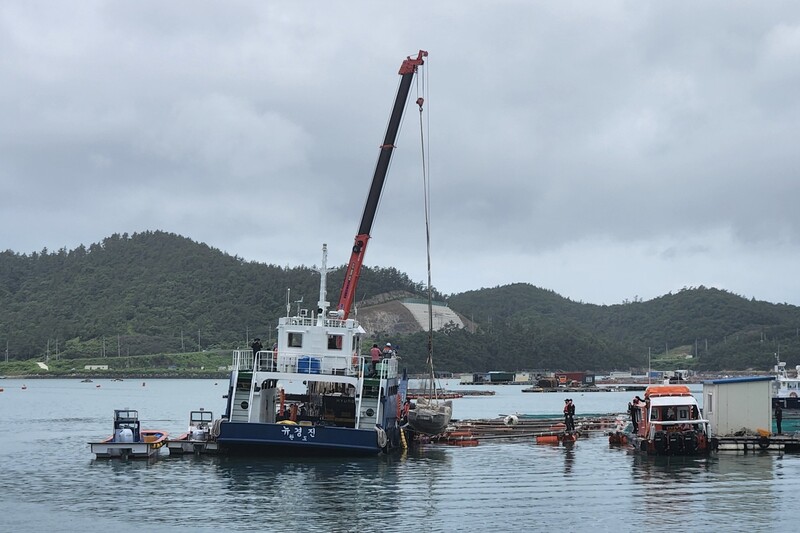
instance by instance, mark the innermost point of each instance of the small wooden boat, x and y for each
(199, 438)
(129, 441)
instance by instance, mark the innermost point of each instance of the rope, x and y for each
(426, 195)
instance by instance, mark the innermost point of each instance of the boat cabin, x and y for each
(127, 427)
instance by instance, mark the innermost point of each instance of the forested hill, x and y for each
(153, 292)
(156, 292)
(719, 330)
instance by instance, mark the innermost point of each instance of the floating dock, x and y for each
(756, 443)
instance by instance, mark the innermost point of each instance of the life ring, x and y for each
(792, 395)
(399, 407)
(763, 442)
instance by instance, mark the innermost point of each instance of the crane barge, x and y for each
(312, 394)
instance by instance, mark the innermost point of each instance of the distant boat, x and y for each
(87, 380)
(786, 389)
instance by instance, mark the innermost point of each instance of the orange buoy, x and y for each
(547, 439)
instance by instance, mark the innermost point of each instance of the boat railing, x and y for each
(242, 360)
(328, 364)
(387, 368)
(308, 321)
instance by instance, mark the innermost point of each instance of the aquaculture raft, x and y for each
(544, 430)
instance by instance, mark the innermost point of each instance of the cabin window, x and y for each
(710, 403)
(335, 342)
(295, 340)
(683, 414)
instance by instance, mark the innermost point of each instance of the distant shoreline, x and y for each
(123, 376)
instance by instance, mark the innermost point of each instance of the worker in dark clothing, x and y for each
(778, 417)
(256, 346)
(633, 412)
(569, 414)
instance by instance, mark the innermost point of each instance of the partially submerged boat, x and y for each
(199, 438)
(669, 423)
(129, 440)
(430, 415)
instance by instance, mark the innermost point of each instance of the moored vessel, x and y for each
(314, 393)
(668, 422)
(786, 388)
(129, 440)
(199, 438)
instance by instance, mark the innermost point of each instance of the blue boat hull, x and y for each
(279, 439)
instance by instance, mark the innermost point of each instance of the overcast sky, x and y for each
(607, 150)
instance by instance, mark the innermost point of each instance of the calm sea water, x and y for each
(50, 481)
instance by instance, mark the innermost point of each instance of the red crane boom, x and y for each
(407, 71)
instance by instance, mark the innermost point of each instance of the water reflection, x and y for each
(569, 457)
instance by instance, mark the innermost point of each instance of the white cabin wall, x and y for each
(738, 405)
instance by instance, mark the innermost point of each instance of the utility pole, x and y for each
(183, 347)
(198, 340)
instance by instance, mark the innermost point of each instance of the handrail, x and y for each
(330, 364)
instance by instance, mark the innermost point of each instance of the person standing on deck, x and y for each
(256, 346)
(632, 411)
(569, 412)
(375, 356)
(571, 415)
(388, 351)
(778, 417)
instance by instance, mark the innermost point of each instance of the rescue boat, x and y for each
(668, 422)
